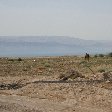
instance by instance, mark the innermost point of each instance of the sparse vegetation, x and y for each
(10, 59)
(66, 80)
(56, 65)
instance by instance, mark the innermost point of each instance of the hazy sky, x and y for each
(86, 19)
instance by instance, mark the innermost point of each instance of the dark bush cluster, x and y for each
(103, 55)
(110, 54)
(19, 59)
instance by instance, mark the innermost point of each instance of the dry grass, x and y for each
(53, 66)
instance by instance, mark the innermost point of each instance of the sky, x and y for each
(85, 19)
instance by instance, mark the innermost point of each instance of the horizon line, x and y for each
(54, 36)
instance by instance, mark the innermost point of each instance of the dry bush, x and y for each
(72, 74)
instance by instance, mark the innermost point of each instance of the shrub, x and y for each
(101, 70)
(110, 54)
(24, 69)
(95, 55)
(47, 65)
(101, 55)
(19, 59)
(10, 59)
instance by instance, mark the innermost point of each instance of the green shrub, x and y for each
(101, 55)
(19, 59)
(47, 65)
(95, 55)
(110, 54)
(10, 59)
(101, 70)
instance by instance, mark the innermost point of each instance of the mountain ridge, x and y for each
(50, 45)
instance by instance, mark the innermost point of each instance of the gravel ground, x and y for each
(33, 90)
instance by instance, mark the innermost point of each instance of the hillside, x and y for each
(50, 45)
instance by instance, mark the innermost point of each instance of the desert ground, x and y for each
(56, 84)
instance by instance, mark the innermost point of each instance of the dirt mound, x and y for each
(72, 74)
(107, 76)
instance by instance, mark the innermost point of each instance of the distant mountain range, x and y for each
(50, 46)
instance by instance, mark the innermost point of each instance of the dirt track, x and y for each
(57, 97)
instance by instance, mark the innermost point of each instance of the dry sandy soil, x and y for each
(34, 85)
